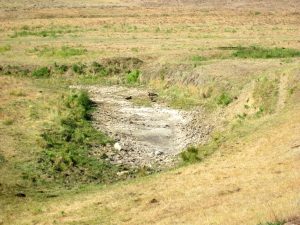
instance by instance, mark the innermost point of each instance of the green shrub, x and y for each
(79, 68)
(42, 72)
(265, 53)
(224, 99)
(133, 77)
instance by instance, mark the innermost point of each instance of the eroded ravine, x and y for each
(146, 136)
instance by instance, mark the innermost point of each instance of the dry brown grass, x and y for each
(251, 180)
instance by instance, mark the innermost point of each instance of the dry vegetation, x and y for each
(238, 61)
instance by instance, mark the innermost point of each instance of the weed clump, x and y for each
(266, 95)
(133, 77)
(264, 53)
(224, 99)
(67, 144)
(98, 69)
(197, 154)
(5, 48)
(42, 72)
(198, 58)
(79, 68)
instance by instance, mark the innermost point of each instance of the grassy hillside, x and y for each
(234, 66)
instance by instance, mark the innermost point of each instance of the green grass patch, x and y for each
(265, 95)
(198, 58)
(42, 72)
(63, 52)
(133, 77)
(224, 99)
(67, 144)
(52, 32)
(5, 48)
(257, 52)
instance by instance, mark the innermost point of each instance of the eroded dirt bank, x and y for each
(145, 135)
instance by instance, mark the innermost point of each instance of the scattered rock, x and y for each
(122, 173)
(117, 146)
(157, 153)
(128, 98)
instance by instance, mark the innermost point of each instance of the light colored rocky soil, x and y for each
(145, 136)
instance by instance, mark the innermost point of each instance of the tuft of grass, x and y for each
(63, 52)
(133, 77)
(8, 122)
(79, 68)
(52, 32)
(195, 154)
(98, 69)
(257, 52)
(5, 48)
(198, 58)
(224, 99)
(265, 95)
(60, 68)
(273, 223)
(42, 72)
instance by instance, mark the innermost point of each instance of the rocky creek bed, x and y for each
(145, 136)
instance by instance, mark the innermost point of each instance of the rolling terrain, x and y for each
(150, 112)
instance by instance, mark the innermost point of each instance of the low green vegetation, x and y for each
(5, 48)
(67, 144)
(265, 95)
(257, 52)
(42, 72)
(133, 77)
(224, 99)
(63, 52)
(52, 32)
(273, 223)
(198, 153)
(198, 58)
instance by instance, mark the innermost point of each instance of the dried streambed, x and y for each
(145, 136)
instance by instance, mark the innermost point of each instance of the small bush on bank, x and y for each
(224, 99)
(42, 72)
(133, 77)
